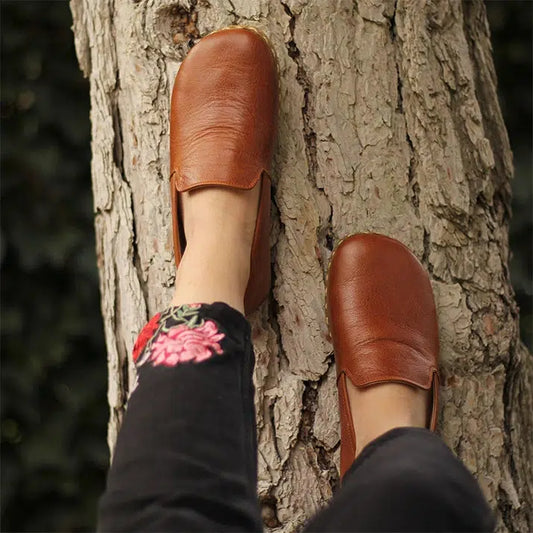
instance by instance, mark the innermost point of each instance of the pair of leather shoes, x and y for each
(380, 303)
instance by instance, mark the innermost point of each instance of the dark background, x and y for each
(53, 382)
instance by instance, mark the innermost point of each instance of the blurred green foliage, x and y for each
(53, 397)
(53, 382)
(511, 27)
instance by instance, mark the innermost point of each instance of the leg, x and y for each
(186, 454)
(406, 480)
(397, 475)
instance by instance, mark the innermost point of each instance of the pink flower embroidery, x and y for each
(182, 343)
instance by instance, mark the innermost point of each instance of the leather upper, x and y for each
(382, 320)
(224, 111)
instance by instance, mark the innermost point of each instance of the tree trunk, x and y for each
(389, 123)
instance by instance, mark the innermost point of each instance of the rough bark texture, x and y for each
(389, 123)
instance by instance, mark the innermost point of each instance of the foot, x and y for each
(219, 226)
(222, 131)
(384, 329)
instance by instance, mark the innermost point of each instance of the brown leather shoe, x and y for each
(382, 321)
(222, 132)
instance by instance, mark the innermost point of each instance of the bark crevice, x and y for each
(303, 80)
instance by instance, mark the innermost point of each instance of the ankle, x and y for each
(208, 273)
(213, 231)
(218, 254)
(380, 408)
(219, 226)
(222, 213)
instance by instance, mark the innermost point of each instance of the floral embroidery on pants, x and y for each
(178, 335)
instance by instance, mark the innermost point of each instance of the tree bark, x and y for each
(389, 123)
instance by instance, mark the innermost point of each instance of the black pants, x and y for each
(186, 454)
